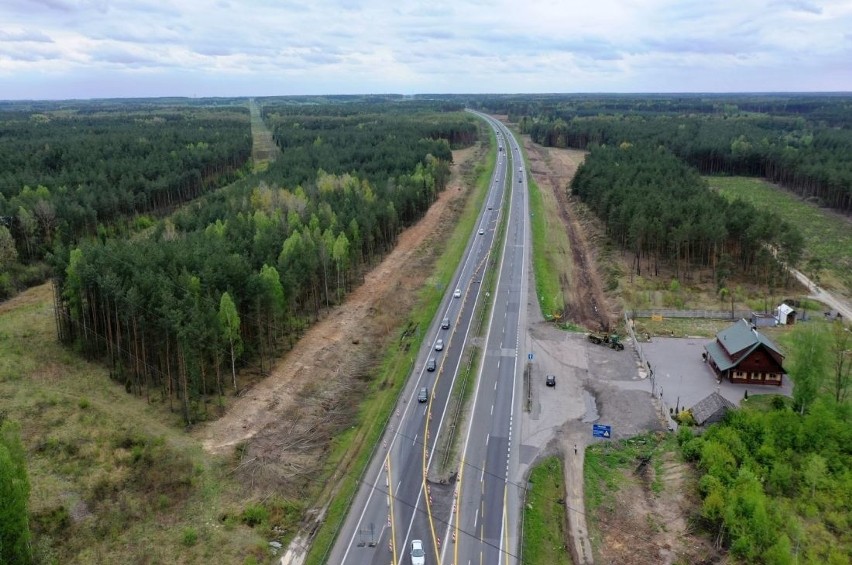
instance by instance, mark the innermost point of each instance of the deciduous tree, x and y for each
(229, 325)
(806, 368)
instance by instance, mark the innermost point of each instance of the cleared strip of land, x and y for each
(828, 235)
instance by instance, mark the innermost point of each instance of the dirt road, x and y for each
(817, 293)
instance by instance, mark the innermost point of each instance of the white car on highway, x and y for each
(418, 556)
(457, 293)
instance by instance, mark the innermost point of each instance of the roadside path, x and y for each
(575, 505)
(817, 293)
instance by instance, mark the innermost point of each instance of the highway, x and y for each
(395, 504)
(485, 523)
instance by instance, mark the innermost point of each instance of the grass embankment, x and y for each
(352, 449)
(545, 528)
(617, 472)
(551, 250)
(606, 462)
(828, 236)
(115, 479)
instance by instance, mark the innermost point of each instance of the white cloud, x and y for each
(234, 47)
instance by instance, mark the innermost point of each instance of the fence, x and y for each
(710, 314)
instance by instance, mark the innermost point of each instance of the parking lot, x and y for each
(681, 377)
(595, 384)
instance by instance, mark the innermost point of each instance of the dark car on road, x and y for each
(550, 380)
(430, 365)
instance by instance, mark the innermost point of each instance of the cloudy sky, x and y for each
(119, 48)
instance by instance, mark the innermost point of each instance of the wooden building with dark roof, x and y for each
(711, 409)
(743, 355)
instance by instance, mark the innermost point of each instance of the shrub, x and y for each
(190, 536)
(255, 514)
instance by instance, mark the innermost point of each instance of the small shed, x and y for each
(760, 320)
(785, 314)
(711, 409)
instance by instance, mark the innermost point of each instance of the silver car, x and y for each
(418, 556)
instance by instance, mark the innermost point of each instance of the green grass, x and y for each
(605, 461)
(548, 289)
(112, 477)
(545, 527)
(828, 236)
(352, 449)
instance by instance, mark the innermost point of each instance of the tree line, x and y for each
(802, 144)
(238, 274)
(70, 172)
(775, 485)
(656, 206)
(369, 140)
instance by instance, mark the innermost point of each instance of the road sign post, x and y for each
(600, 430)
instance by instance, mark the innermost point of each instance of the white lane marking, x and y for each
(492, 409)
(415, 439)
(476, 518)
(487, 437)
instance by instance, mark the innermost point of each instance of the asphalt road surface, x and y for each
(393, 506)
(484, 524)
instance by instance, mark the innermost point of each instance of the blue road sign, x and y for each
(530, 356)
(599, 430)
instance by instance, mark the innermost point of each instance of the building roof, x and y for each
(720, 357)
(710, 405)
(741, 336)
(740, 340)
(785, 309)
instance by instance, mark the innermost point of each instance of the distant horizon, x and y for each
(422, 94)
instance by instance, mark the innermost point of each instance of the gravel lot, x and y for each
(594, 384)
